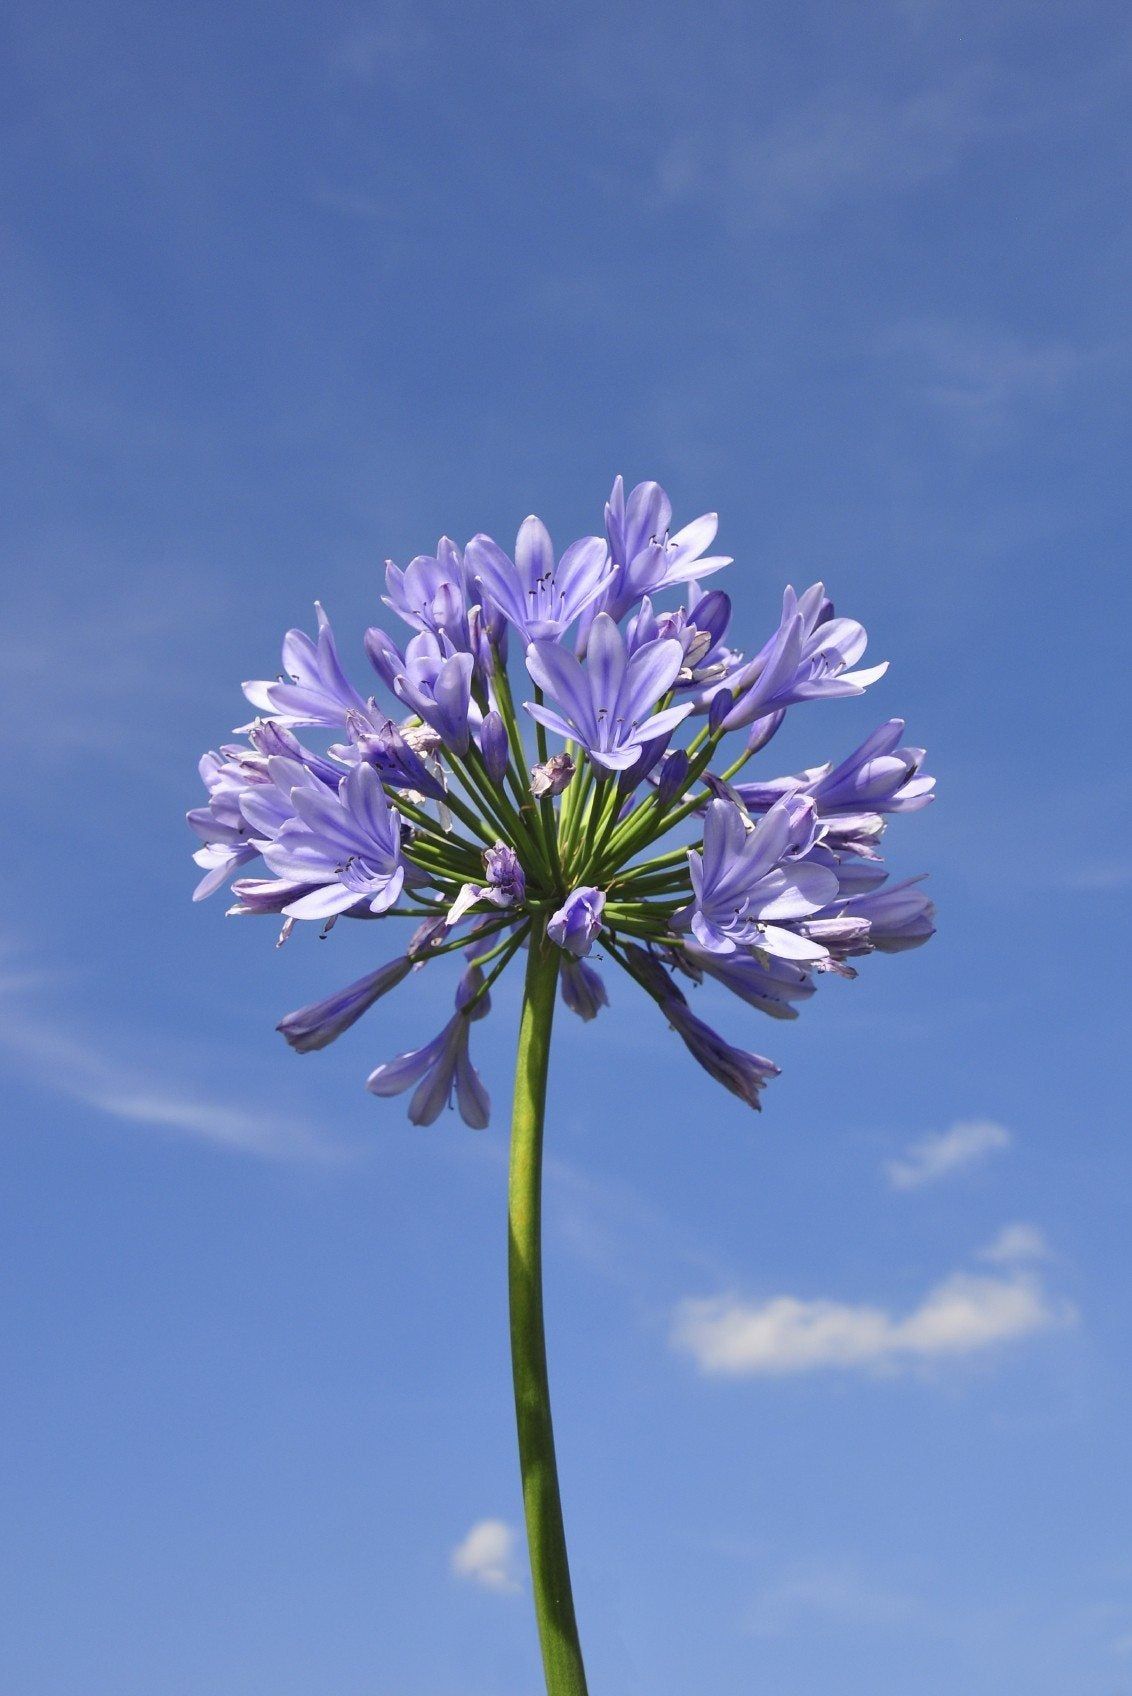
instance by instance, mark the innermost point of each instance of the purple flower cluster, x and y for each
(442, 802)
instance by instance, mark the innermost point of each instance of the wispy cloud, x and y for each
(82, 1069)
(985, 377)
(965, 1314)
(1015, 1244)
(387, 43)
(843, 146)
(836, 1595)
(965, 1144)
(486, 1556)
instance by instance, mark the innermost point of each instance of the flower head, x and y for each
(437, 801)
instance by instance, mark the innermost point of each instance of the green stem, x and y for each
(546, 1538)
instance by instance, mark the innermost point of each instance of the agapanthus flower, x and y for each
(431, 593)
(348, 843)
(505, 884)
(647, 841)
(751, 880)
(807, 659)
(576, 925)
(314, 689)
(609, 704)
(438, 800)
(646, 559)
(877, 777)
(540, 596)
(442, 1069)
(323, 1021)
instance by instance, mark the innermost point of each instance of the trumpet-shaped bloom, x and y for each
(347, 843)
(878, 777)
(607, 704)
(443, 1067)
(436, 683)
(430, 593)
(645, 557)
(319, 1024)
(314, 689)
(388, 748)
(738, 1070)
(749, 882)
(539, 596)
(762, 981)
(807, 659)
(506, 885)
(899, 917)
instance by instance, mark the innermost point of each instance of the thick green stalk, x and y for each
(546, 1538)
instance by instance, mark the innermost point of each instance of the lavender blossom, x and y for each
(539, 597)
(506, 884)
(750, 880)
(348, 844)
(645, 557)
(430, 594)
(899, 917)
(315, 689)
(221, 823)
(319, 1024)
(607, 705)
(576, 924)
(494, 747)
(807, 659)
(443, 1067)
(878, 777)
(739, 1071)
(582, 988)
(762, 981)
(437, 684)
(400, 755)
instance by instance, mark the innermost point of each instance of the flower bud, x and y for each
(719, 709)
(672, 778)
(493, 746)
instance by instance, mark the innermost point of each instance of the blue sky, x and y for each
(290, 289)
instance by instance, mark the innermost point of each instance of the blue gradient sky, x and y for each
(289, 289)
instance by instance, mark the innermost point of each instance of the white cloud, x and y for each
(486, 1556)
(967, 1142)
(1016, 1243)
(963, 1315)
(83, 1070)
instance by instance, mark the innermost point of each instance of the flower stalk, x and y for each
(542, 1505)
